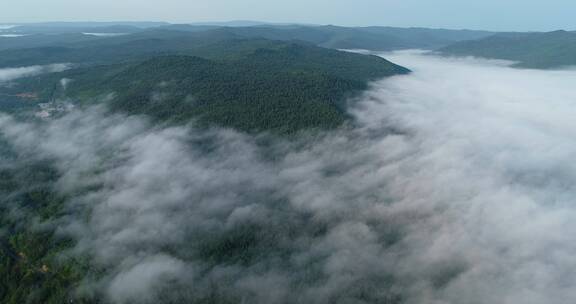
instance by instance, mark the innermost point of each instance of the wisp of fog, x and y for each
(455, 186)
(8, 74)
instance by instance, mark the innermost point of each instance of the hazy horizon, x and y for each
(490, 15)
(259, 22)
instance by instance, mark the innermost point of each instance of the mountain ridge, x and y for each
(548, 50)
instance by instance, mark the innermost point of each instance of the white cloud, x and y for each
(8, 74)
(456, 186)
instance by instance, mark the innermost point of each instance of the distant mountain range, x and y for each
(371, 38)
(68, 27)
(244, 23)
(530, 50)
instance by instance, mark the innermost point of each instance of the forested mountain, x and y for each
(202, 78)
(114, 49)
(530, 50)
(42, 40)
(251, 85)
(78, 27)
(369, 38)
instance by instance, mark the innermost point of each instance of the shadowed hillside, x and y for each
(530, 50)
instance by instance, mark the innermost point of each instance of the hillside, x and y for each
(250, 85)
(43, 40)
(216, 79)
(134, 47)
(530, 50)
(338, 37)
(370, 38)
(78, 27)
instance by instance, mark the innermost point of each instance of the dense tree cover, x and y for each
(530, 50)
(134, 47)
(370, 38)
(30, 262)
(250, 85)
(53, 28)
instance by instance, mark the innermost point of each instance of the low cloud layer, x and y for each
(455, 187)
(8, 74)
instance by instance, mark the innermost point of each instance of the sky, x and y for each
(509, 15)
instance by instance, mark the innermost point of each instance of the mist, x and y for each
(8, 74)
(454, 186)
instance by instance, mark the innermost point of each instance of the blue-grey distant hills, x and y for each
(72, 27)
(530, 50)
(375, 38)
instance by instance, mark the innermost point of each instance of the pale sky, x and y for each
(521, 15)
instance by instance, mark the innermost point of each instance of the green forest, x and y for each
(249, 85)
(252, 85)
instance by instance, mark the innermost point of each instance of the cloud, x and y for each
(144, 278)
(8, 74)
(104, 34)
(491, 167)
(455, 186)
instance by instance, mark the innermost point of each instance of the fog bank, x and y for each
(455, 187)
